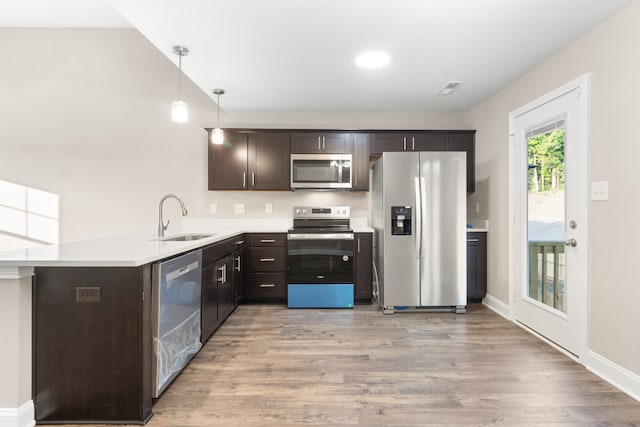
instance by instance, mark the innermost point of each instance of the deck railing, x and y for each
(547, 273)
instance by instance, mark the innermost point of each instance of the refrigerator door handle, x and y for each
(423, 214)
(418, 219)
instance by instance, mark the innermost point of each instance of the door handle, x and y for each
(418, 218)
(571, 242)
(423, 211)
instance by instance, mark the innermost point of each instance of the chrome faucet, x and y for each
(161, 226)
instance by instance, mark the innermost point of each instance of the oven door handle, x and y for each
(320, 236)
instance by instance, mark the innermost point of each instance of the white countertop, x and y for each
(478, 225)
(137, 249)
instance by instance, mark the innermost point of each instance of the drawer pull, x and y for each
(267, 259)
(267, 285)
(473, 240)
(267, 241)
(239, 242)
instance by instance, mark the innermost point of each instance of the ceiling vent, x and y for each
(449, 88)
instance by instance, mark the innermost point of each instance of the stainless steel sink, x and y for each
(185, 237)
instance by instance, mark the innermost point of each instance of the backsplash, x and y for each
(227, 204)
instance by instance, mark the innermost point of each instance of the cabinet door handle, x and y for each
(413, 143)
(240, 242)
(238, 268)
(404, 143)
(253, 179)
(319, 147)
(473, 240)
(267, 259)
(223, 272)
(267, 241)
(267, 285)
(244, 180)
(358, 245)
(323, 146)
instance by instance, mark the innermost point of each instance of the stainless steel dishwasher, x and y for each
(176, 316)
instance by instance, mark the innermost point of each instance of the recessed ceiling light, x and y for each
(373, 60)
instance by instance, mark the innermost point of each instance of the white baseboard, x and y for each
(496, 305)
(614, 374)
(23, 416)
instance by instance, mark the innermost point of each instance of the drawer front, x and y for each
(268, 259)
(214, 252)
(267, 285)
(268, 239)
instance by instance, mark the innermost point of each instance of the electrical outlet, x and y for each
(213, 208)
(600, 190)
(238, 208)
(477, 207)
(268, 207)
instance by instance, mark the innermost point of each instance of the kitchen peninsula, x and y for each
(107, 356)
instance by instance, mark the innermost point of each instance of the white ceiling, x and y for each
(299, 56)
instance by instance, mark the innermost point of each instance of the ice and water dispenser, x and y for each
(401, 220)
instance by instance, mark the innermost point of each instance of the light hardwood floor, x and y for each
(271, 366)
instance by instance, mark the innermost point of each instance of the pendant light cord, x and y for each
(180, 76)
(218, 110)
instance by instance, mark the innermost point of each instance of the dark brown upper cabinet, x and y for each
(413, 141)
(250, 160)
(360, 179)
(309, 142)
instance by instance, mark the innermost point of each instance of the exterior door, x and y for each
(549, 210)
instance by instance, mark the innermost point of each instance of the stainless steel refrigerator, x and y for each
(419, 217)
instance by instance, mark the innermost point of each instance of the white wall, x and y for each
(609, 54)
(85, 114)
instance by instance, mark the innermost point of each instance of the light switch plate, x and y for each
(268, 207)
(600, 190)
(213, 208)
(238, 208)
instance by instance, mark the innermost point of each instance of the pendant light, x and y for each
(217, 136)
(179, 108)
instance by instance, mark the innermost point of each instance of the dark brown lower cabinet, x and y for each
(364, 277)
(209, 303)
(240, 258)
(226, 292)
(218, 293)
(476, 266)
(267, 268)
(92, 345)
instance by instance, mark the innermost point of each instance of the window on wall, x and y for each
(29, 213)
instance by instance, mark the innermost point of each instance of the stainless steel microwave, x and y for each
(321, 171)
